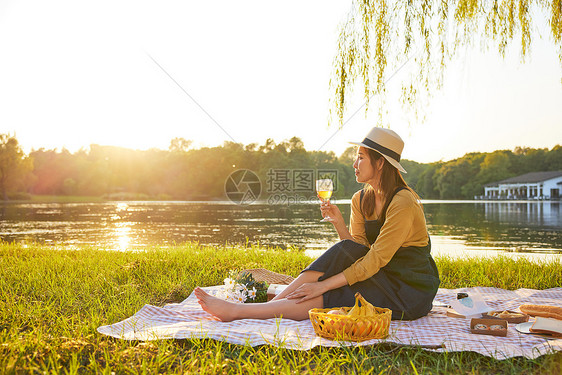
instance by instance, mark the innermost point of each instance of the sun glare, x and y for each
(123, 239)
(122, 207)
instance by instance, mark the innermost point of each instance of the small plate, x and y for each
(524, 327)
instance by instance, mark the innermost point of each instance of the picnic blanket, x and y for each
(436, 331)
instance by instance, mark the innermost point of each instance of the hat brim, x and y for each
(392, 162)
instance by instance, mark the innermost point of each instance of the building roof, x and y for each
(528, 178)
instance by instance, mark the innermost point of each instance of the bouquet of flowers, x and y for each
(243, 288)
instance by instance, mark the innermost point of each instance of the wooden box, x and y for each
(477, 326)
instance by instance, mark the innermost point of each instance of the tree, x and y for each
(296, 145)
(495, 167)
(414, 171)
(180, 145)
(453, 175)
(268, 146)
(554, 159)
(348, 156)
(426, 186)
(529, 160)
(14, 165)
(380, 35)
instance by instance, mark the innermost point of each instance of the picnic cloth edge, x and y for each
(186, 320)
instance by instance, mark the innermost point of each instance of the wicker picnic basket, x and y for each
(270, 277)
(351, 327)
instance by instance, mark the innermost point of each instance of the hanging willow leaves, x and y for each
(379, 36)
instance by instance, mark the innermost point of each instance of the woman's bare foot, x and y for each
(217, 307)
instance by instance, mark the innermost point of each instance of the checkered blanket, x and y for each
(436, 332)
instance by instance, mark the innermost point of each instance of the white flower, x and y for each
(240, 297)
(229, 283)
(230, 296)
(252, 293)
(240, 288)
(239, 292)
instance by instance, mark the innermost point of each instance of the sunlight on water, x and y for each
(121, 206)
(457, 228)
(122, 233)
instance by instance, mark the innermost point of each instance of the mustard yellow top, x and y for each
(404, 226)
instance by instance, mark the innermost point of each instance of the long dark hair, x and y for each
(391, 179)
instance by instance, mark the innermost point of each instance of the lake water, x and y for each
(522, 228)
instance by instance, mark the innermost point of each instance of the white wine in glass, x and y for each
(324, 189)
(324, 194)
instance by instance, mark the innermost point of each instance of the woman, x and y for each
(385, 254)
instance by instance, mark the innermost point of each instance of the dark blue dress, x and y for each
(406, 285)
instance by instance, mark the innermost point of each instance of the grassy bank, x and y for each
(52, 301)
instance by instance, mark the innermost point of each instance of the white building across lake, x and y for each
(534, 185)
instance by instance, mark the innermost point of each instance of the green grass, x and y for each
(52, 301)
(500, 272)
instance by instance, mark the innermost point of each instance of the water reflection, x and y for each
(519, 226)
(516, 226)
(122, 232)
(534, 213)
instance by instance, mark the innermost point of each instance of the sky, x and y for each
(137, 74)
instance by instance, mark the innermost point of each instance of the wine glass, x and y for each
(324, 189)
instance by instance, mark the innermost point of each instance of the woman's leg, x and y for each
(337, 258)
(228, 311)
(304, 277)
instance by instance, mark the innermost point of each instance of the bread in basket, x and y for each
(361, 322)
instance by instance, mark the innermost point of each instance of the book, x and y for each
(274, 290)
(453, 314)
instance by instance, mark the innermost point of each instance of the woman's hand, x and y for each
(307, 291)
(332, 212)
(335, 217)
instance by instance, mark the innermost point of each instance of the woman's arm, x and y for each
(393, 234)
(308, 291)
(356, 231)
(357, 221)
(336, 218)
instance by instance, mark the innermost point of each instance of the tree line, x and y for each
(186, 173)
(465, 177)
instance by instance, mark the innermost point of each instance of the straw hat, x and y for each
(387, 143)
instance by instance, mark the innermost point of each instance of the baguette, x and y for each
(544, 311)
